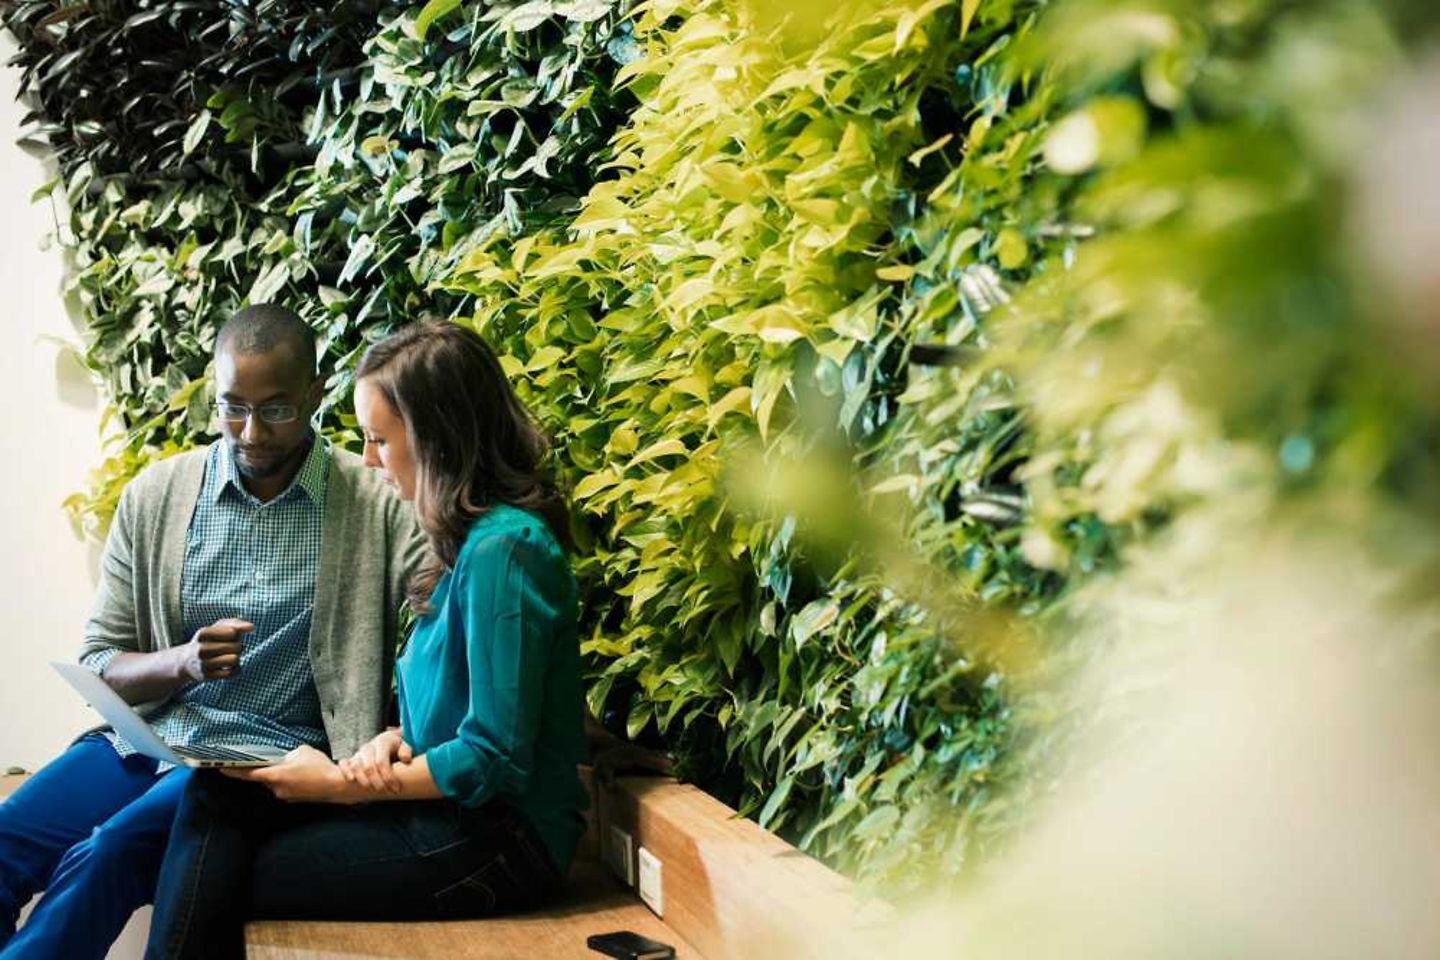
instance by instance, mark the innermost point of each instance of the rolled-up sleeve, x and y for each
(509, 593)
(111, 629)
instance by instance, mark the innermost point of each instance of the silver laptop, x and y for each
(143, 737)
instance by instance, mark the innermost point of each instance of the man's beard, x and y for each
(265, 471)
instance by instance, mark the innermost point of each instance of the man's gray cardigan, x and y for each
(370, 545)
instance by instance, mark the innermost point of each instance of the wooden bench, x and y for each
(594, 902)
(728, 891)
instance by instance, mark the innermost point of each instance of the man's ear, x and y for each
(315, 394)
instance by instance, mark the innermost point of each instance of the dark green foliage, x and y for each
(129, 88)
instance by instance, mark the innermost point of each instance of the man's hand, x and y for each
(305, 776)
(373, 764)
(214, 652)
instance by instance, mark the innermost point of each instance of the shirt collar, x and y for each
(310, 480)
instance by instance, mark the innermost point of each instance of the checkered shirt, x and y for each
(255, 561)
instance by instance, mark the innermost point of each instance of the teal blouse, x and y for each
(489, 683)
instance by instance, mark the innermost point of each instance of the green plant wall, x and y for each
(334, 177)
(867, 331)
(733, 302)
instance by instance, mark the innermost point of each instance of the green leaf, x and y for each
(878, 823)
(915, 158)
(640, 714)
(584, 11)
(967, 15)
(778, 796)
(528, 16)
(664, 448)
(432, 11)
(907, 482)
(360, 252)
(156, 285)
(519, 93)
(544, 358)
(813, 618)
(269, 283)
(196, 132)
(45, 189)
(457, 158)
(377, 146)
(1011, 249)
(597, 693)
(594, 483)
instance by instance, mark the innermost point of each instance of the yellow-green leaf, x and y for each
(897, 271)
(432, 11)
(664, 448)
(919, 155)
(544, 357)
(594, 483)
(967, 15)
(1011, 249)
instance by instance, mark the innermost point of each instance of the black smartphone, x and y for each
(628, 945)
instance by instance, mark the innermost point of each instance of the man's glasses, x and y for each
(269, 413)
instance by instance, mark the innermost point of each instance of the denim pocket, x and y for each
(479, 894)
(431, 827)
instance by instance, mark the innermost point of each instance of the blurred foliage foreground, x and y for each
(878, 339)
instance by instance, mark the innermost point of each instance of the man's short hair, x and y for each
(262, 327)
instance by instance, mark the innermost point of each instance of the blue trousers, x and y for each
(236, 852)
(89, 829)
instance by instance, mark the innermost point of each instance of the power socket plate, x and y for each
(619, 854)
(651, 890)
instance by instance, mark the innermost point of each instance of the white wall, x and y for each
(49, 414)
(49, 417)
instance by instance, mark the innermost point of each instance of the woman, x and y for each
(482, 806)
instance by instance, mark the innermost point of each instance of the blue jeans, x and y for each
(89, 829)
(237, 853)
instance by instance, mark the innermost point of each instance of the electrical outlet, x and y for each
(650, 888)
(620, 855)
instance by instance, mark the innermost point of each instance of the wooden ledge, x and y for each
(10, 782)
(734, 890)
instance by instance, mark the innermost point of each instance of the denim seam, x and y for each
(449, 846)
(184, 928)
(535, 852)
(469, 879)
(324, 868)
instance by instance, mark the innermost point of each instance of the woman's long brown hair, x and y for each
(473, 441)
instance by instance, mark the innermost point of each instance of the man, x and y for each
(249, 594)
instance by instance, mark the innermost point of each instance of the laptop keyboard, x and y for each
(214, 753)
